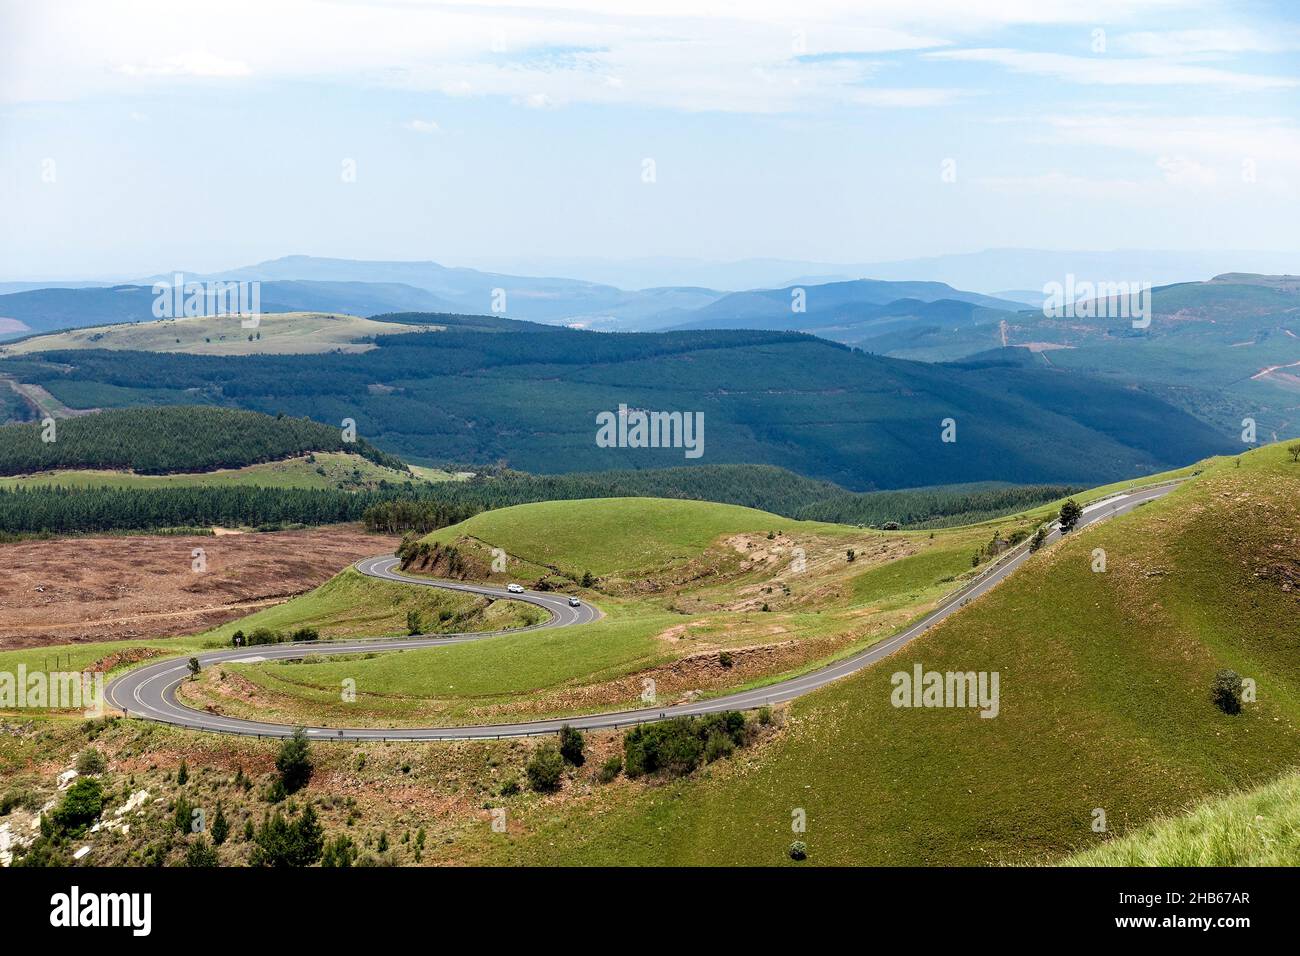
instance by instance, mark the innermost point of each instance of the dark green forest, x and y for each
(164, 440)
(529, 399)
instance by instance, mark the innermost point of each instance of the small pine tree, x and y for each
(294, 762)
(220, 826)
(182, 774)
(413, 623)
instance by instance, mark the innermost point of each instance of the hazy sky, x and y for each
(138, 137)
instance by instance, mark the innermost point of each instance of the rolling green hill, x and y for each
(1105, 705)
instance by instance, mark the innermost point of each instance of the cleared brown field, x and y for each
(115, 588)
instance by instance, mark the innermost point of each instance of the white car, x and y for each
(574, 602)
(515, 588)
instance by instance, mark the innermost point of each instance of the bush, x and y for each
(220, 826)
(413, 623)
(18, 798)
(90, 762)
(183, 813)
(1226, 691)
(283, 842)
(572, 745)
(610, 769)
(183, 774)
(765, 715)
(294, 762)
(798, 850)
(545, 769)
(200, 853)
(339, 852)
(80, 807)
(305, 634)
(677, 746)
(718, 745)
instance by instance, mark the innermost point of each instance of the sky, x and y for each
(140, 137)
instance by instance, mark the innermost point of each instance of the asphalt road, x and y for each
(149, 692)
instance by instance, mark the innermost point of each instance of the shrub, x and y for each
(294, 762)
(182, 774)
(610, 769)
(413, 623)
(90, 762)
(718, 745)
(572, 745)
(305, 634)
(677, 746)
(183, 813)
(80, 807)
(798, 850)
(280, 841)
(765, 715)
(545, 769)
(200, 853)
(510, 788)
(725, 658)
(220, 826)
(1226, 691)
(339, 852)
(18, 798)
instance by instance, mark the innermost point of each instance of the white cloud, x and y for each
(1116, 71)
(1181, 171)
(1192, 42)
(422, 126)
(197, 63)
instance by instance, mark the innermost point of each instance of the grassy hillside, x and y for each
(822, 410)
(186, 438)
(276, 334)
(1104, 704)
(1251, 828)
(614, 534)
(698, 597)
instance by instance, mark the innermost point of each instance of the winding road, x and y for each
(149, 692)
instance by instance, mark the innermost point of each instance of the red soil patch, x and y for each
(75, 590)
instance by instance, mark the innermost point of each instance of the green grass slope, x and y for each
(1104, 705)
(1259, 827)
(605, 535)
